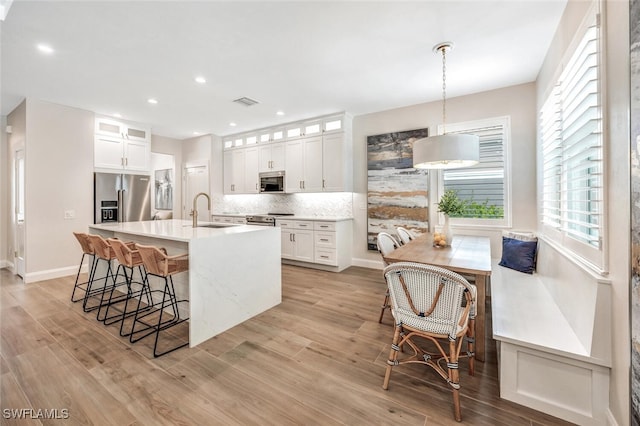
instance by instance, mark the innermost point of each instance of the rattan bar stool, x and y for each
(105, 253)
(94, 289)
(158, 264)
(129, 260)
(87, 250)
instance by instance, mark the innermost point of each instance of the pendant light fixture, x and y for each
(446, 151)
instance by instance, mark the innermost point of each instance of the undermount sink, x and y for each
(214, 225)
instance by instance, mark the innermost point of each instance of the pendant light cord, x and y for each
(444, 90)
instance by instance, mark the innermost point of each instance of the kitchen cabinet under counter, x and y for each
(320, 243)
(221, 289)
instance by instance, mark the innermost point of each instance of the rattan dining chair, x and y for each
(386, 244)
(437, 306)
(404, 234)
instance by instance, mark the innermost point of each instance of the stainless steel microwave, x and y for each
(272, 181)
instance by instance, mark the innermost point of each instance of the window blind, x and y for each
(571, 137)
(482, 183)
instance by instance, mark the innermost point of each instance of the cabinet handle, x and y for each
(323, 186)
(122, 161)
(302, 225)
(294, 237)
(256, 186)
(324, 239)
(303, 186)
(126, 161)
(324, 226)
(324, 257)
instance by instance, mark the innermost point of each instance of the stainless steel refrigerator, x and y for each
(121, 197)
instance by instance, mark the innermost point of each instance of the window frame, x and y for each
(438, 187)
(593, 258)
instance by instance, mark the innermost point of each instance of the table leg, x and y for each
(480, 317)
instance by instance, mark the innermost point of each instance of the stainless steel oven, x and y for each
(272, 182)
(268, 219)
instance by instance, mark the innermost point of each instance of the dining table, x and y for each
(468, 255)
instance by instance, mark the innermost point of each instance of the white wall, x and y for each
(173, 147)
(59, 178)
(518, 102)
(4, 192)
(616, 112)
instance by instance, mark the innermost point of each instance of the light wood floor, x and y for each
(317, 358)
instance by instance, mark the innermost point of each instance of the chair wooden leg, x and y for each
(471, 346)
(393, 357)
(454, 377)
(385, 305)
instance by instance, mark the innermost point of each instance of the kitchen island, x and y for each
(234, 271)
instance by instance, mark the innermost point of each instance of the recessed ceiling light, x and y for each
(196, 133)
(201, 80)
(117, 115)
(280, 113)
(152, 101)
(232, 124)
(45, 48)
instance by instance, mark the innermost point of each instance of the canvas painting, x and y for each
(397, 194)
(164, 189)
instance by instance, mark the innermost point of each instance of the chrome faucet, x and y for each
(194, 212)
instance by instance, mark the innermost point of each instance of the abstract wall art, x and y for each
(397, 194)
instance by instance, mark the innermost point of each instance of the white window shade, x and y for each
(572, 151)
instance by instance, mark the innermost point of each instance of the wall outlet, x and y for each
(69, 214)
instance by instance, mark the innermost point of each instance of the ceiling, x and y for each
(306, 58)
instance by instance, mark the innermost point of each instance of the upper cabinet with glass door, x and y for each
(121, 146)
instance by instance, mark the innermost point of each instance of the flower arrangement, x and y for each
(450, 204)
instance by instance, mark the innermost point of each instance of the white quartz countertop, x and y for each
(175, 229)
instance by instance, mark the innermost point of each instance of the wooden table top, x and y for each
(468, 254)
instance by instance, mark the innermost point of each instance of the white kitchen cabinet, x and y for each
(240, 171)
(303, 159)
(321, 244)
(251, 181)
(121, 146)
(228, 219)
(271, 157)
(297, 240)
(334, 163)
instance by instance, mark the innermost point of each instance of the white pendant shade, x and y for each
(448, 151)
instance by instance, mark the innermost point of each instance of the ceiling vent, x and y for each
(245, 101)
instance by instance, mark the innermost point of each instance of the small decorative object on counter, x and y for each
(449, 204)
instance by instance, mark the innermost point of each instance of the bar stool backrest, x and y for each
(101, 247)
(83, 239)
(155, 261)
(125, 255)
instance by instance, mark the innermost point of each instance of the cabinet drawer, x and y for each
(324, 226)
(303, 224)
(326, 256)
(325, 239)
(285, 223)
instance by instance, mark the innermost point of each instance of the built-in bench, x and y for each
(553, 333)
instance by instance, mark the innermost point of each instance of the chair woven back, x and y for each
(429, 298)
(404, 234)
(125, 255)
(386, 244)
(83, 239)
(101, 247)
(155, 261)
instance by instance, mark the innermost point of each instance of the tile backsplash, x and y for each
(335, 204)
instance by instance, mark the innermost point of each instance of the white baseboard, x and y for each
(32, 277)
(366, 263)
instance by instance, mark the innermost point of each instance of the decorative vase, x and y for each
(444, 237)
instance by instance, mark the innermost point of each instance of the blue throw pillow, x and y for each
(519, 255)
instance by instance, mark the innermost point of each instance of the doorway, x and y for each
(196, 180)
(18, 203)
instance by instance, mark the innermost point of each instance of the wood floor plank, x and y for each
(318, 358)
(12, 396)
